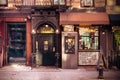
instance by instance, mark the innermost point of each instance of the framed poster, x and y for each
(3, 2)
(69, 44)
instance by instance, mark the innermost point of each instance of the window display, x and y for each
(88, 38)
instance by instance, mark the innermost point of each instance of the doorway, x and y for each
(46, 44)
(16, 34)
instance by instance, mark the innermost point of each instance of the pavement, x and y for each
(23, 72)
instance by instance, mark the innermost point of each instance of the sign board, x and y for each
(88, 58)
(3, 2)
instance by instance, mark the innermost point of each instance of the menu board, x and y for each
(88, 58)
(3, 2)
(0, 45)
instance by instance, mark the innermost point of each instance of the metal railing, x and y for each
(36, 2)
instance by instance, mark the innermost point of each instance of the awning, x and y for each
(83, 18)
(114, 19)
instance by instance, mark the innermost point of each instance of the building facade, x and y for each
(65, 33)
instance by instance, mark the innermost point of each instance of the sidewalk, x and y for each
(22, 72)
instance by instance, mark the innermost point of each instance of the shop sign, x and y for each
(88, 58)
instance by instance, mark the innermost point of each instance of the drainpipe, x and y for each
(57, 55)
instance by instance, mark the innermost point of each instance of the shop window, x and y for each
(87, 3)
(118, 2)
(88, 38)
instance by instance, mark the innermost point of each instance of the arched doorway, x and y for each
(46, 44)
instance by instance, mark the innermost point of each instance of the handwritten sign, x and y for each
(88, 58)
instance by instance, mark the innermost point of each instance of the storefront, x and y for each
(89, 33)
(115, 53)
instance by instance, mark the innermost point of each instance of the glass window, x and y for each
(118, 2)
(88, 38)
(45, 29)
(86, 3)
(61, 2)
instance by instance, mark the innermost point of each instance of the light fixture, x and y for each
(57, 31)
(33, 31)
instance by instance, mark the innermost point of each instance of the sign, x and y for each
(88, 58)
(69, 44)
(68, 28)
(3, 2)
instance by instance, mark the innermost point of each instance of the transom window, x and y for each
(88, 38)
(45, 29)
(86, 3)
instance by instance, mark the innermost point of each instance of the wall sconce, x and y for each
(27, 18)
(33, 31)
(57, 31)
(103, 32)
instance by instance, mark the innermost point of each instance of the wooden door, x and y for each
(46, 47)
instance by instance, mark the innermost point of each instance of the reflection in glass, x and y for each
(88, 38)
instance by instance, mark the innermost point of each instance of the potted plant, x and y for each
(117, 38)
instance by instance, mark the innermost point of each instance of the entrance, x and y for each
(16, 41)
(46, 45)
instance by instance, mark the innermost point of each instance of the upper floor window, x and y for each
(61, 2)
(86, 3)
(118, 2)
(12, 3)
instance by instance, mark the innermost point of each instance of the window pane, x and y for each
(57, 2)
(88, 38)
(86, 3)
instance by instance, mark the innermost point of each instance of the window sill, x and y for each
(89, 50)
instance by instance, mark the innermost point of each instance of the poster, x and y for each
(69, 44)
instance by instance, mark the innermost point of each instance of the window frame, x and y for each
(84, 5)
(95, 36)
(117, 2)
(3, 2)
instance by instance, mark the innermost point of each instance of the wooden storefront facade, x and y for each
(56, 35)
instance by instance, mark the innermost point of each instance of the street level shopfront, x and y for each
(86, 32)
(71, 38)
